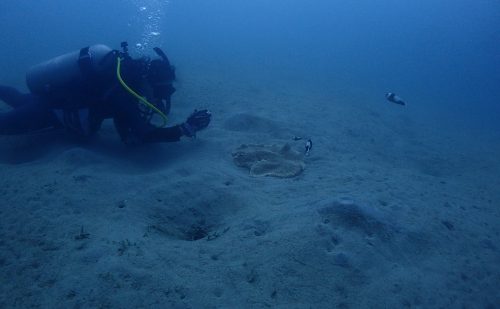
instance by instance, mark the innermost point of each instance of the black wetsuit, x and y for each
(36, 112)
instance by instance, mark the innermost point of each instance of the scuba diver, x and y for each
(77, 91)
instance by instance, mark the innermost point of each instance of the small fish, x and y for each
(309, 145)
(392, 97)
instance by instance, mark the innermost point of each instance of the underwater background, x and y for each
(442, 57)
(397, 206)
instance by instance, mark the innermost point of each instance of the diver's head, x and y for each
(151, 78)
(160, 76)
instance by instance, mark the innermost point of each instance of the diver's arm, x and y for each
(197, 121)
(159, 135)
(133, 129)
(127, 118)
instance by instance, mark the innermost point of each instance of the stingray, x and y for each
(269, 160)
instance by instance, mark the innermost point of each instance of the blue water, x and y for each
(442, 57)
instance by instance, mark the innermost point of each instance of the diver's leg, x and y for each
(13, 97)
(32, 116)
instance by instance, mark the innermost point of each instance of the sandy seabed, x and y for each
(385, 215)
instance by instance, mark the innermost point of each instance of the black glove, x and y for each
(198, 120)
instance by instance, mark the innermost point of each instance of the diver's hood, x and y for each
(160, 72)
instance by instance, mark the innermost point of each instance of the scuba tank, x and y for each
(74, 75)
(82, 78)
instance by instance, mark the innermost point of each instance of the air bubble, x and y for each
(150, 23)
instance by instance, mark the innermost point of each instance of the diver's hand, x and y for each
(198, 120)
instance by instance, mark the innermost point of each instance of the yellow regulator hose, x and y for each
(140, 98)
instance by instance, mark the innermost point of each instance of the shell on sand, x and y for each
(269, 160)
